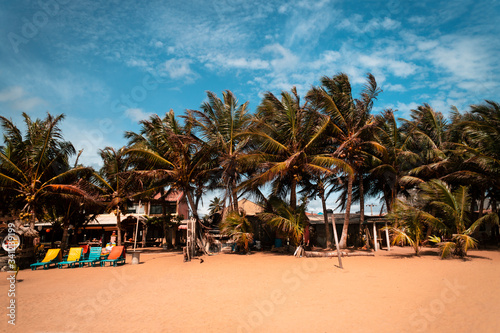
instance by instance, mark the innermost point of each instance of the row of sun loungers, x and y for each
(75, 257)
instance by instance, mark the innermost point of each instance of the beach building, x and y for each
(101, 227)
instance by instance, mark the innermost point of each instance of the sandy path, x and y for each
(263, 292)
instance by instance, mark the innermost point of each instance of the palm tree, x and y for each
(118, 183)
(35, 167)
(289, 138)
(408, 225)
(222, 125)
(216, 206)
(289, 220)
(173, 155)
(350, 129)
(390, 164)
(236, 225)
(427, 139)
(452, 210)
(480, 134)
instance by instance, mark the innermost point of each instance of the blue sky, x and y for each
(108, 64)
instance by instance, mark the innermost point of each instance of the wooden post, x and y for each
(336, 240)
(387, 237)
(136, 231)
(375, 241)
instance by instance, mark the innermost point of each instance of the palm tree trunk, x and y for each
(361, 211)
(64, 241)
(293, 193)
(163, 216)
(481, 204)
(191, 202)
(144, 234)
(325, 218)
(345, 228)
(119, 227)
(234, 193)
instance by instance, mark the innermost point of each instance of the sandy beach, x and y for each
(263, 292)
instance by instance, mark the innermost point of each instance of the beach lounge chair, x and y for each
(74, 256)
(85, 251)
(94, 257)
(53, 256)
(116, 256)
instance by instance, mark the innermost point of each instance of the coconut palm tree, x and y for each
(222, 125)
(173, 155)
(289, 139)
(290, 221)
(216, 206)
(35, 167)
(427, 139)
(480, 130)
(408, 224)
(237, 226)
(118, 183)
(392, 161)
(350, 129)
(451, 208)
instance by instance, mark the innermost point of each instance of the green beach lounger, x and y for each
(94, 257)
(53, 256)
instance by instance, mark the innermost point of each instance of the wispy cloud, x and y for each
(179, 69)
(137, 114)
(19, 100)
(11, 94)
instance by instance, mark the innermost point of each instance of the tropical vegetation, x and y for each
(437, 176)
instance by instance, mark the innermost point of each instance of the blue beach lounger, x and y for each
(94, 257)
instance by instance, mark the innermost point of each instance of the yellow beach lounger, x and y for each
(74, 256)
(53, 256)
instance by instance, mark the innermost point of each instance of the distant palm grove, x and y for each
(437, 177)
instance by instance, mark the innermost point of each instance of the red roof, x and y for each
(172, 196)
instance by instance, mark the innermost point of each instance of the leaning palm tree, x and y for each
(222, 125)
(452, 210)
(350, 129)
(35, 166)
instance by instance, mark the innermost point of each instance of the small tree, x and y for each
(236, 225)
(288, 220)
(409, 224)
(452, 209)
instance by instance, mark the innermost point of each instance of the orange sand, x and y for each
(263, 292)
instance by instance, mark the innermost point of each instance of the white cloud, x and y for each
(356, 24)
(394, 87)
(18, 99)
(27, 104)
(137, 114)
(11, 94)
(179, 69)
(463, 57)
(137, 63)
(396, 67)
